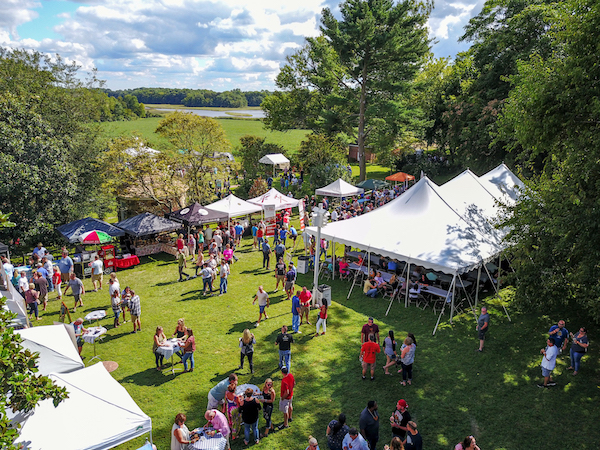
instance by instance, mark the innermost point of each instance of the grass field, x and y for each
(234, 129)
(456, 391)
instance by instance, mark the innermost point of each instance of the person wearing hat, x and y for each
(399, 419)
(40, 251)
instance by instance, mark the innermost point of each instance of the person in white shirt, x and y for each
(354, 441)
(97, 271)
(23, 283)
(223, 273)
(9, 269)
(548, 363)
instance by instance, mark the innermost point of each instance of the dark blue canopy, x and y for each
(147, 223)
(73, 230)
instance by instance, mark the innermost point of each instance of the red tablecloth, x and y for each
(124, 263)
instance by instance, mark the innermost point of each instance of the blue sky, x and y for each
(208, 44)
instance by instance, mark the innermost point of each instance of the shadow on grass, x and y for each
(151, 377)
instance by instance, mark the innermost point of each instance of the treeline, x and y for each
(193, 97)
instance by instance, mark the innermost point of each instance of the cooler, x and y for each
(303, 263)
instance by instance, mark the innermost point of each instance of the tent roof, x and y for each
(418, 227)
(99, 414)
(339, 188)
(234, 206)
(472, 199)
(71, 231)
(276, 159)
(371, 184)
(196, 214)
(56, 349)
(136, 151)
(3, 248)
(15, 303)
(401, 177)
(274, 198)
(506, 186)
(147, 223)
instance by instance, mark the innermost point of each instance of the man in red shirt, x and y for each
(305, 299)
(287, 392)
(369, 351)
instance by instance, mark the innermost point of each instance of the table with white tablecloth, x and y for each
(216, 442)
(168, 349)
(91, 336)
(96, 315)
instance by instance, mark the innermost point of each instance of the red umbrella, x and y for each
(400, 177)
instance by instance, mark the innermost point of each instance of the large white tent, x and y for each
(234, 206)
(274, 198)
(56, 349)
(99, 414)
(419, 227)
(14, 303)
(339, 188)
(505, 185)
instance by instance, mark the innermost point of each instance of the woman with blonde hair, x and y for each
(312, 443)
(407, 357)
(268, 400)
(159, 341)
(247, 342)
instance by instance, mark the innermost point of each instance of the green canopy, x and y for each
(372, 184)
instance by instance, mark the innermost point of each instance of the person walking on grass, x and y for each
(135, 310)
(224, 274)
(266, 251)
(407, 357)
(483, 325)
(77, 288)
(369, 424)
(263, 302)
(322, 318)
(182, 264)
(247, 342)
(578, 349)
(207, 277)
(548, 363)
(279, 274)
(287, 394)
(285, 341)
(368, 353)
(97, 273)
(389, 350)
(290, 279)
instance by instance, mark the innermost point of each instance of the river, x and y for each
(232, 113)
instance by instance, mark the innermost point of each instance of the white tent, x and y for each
(234, 206)
(99, 414)
(275, 159)
(56, 349)
(274, 198)
(339, 188)
(505, 185)
(14, 303)
(419, 227)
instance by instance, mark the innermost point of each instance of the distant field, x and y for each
(234, 130)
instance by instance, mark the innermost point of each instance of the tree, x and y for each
(21, 389)
(323, 160)
(200, 140)
(5, 221)
(552, 111)
(49, 143)
(355, 79)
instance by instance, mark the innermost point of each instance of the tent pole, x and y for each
(407, 284)
(477, 286)
(368, 263)
(497, 293)
(333, 258)
(468, 297)
(444, 305)
(452, 288)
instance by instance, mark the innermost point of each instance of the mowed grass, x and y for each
(456, 391)
(234, 130)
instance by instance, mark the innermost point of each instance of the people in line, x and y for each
(249, 408)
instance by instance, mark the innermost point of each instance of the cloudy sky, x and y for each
(218, 45)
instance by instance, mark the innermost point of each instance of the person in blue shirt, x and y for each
(279, 251)
(282, 235)
(254, 236)
(40, 250)
(239, 230)
(65, 265)
(560, 335)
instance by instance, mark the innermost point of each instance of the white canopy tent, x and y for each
(274, 198)
(234, 206)
(277, 160)
(505, 185)
(14, 303)
(339, 188)
(56, 349)
(99, 414)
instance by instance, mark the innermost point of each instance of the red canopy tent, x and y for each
(400, 177)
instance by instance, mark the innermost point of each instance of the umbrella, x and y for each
(94, 237)
(371, 184)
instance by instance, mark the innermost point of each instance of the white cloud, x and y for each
(189, 43)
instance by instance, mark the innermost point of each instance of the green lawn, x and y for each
(456, 391)
(234, 129)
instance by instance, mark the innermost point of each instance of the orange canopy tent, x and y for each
(400, 177)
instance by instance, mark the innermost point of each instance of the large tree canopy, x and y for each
(357, 77)
(553, 110)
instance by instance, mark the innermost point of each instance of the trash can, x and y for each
(303, 264)
(324, 295)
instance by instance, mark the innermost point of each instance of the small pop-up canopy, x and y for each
(196, 214)
(147, 223)
(99, 414)
(71, 231)
(56, 349)
(339, 188)
(274, 198)
(234, 206)
(276, 160)
(371, 184)
(400, 177)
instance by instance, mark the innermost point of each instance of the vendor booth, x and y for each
(274, 198)
(150, 235)
(339, 188)
(277, 160)
(233, 206)
(99, 414)
(72, 231)
(196, 214)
